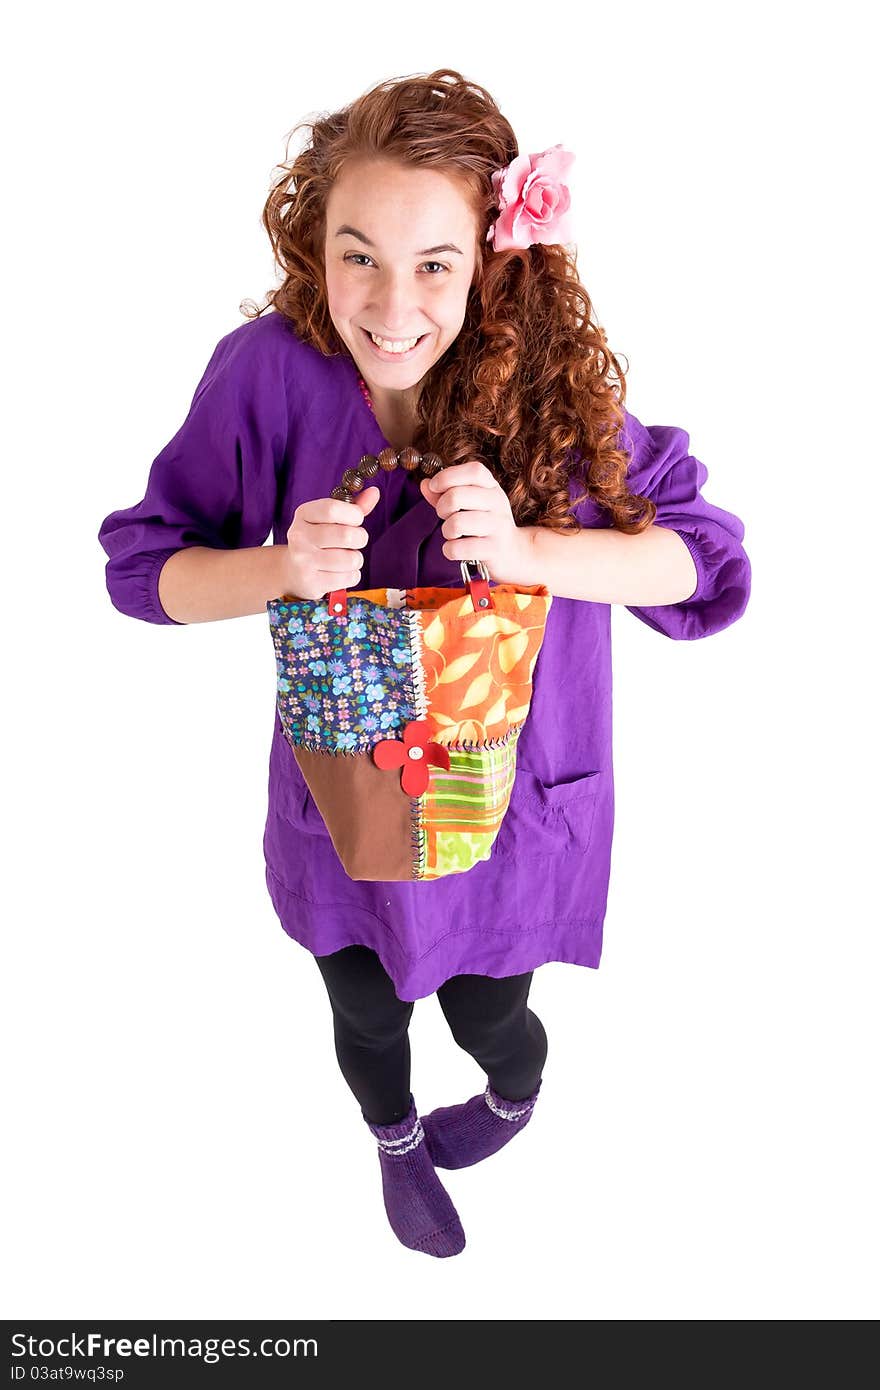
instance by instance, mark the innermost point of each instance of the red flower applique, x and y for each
(414, 754)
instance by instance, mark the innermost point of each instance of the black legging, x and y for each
(488, 1018)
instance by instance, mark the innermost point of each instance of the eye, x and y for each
(362, 256)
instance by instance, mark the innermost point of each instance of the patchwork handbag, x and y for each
(403, 707)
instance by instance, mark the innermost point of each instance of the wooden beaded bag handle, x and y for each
(411, 461)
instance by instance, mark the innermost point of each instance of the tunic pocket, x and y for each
(307, 817)
(546, 819)
(294, 801)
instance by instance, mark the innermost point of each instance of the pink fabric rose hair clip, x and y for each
(533, 200)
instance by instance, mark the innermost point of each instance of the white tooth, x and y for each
(402, 346)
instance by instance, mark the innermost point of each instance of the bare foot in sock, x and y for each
(419, 1208)
(459, 1135)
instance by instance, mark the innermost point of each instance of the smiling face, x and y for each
(400, 252)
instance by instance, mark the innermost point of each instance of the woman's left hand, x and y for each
(476, 509)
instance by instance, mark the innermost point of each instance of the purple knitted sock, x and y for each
(419, 1208)
(459, 1135)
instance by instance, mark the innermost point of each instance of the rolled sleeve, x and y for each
(214, 484)
(663, 469)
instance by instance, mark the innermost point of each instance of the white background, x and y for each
(181, 1142)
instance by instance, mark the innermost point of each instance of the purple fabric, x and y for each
(273, 424)
(419, 1209)
(458, 1136)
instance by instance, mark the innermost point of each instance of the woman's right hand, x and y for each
(324, 545)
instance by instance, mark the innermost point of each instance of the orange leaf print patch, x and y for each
(478, 666)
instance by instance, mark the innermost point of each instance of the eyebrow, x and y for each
(345, 230)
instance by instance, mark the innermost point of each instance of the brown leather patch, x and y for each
(366, 811)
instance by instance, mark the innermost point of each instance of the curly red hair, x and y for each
(530, 385)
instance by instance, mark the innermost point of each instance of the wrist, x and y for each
(287, 582)
(525, 566)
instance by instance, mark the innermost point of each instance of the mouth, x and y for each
(399, 356)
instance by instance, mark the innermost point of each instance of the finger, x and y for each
(328, 580)
(333, 536)
(472, 472)
(469, 499)
(464, 549)
(341, 561)
(466, 524)
(333, 510)
(365, 501)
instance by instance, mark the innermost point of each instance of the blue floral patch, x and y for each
(342, 682)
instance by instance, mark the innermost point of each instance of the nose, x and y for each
(394, 308)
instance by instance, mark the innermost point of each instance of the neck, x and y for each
(396, 403)
(396, 413)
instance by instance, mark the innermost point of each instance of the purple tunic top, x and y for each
(273, 424)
